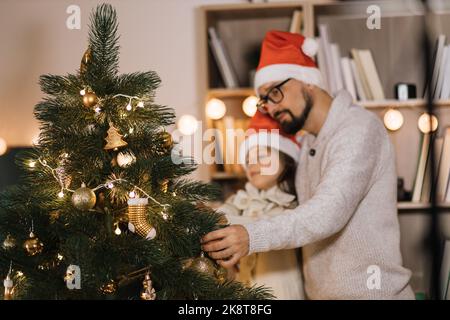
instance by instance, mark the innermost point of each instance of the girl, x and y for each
(270, 160)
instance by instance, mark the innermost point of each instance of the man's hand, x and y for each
(227, 245)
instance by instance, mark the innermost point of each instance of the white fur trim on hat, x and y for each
(282, 71)
(269, 139)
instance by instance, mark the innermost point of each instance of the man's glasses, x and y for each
(274, 96)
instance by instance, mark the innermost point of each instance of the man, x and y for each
(346, 183)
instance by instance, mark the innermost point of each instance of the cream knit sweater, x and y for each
(347, 222)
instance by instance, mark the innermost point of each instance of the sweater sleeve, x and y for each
(351, 161)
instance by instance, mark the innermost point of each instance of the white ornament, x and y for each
(125, 159)
(310, 47)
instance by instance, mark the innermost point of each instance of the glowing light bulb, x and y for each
(140, 104)
(3, 147)
(32, 164)
(132, 194)
(117, 231)
(393, 119)
(97, 110)
(60, 257)
(425, 121)
(61, 194)
(110, 185)
(249, 106)
(215, 109)
(165, 216)
(187, 124)
(82, 92)
(131, 130)
(129, 107)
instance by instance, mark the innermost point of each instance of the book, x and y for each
(428, 181)
(444, 167)
(361, 74)
(420, 173)
(337, 71)
(370, 70)
(296, 22)
(349, 84)
(445, 272)
(327, 61)
(440, 77)
(222, 59)
(359, 87)
(439, 47)
(321, 63)
(445, 92)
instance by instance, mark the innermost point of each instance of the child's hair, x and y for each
(286, 180)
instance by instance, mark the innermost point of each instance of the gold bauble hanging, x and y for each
(137, 217)
(148, 292)
(167, 142)
(109, 288)
(114, 139)
(33, 245)
(164, 185)
(84, 198)
(89, 99)
(85, 60)
(203, 265)
(9, 242)
(221, 274)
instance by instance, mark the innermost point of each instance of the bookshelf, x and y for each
(242, 28)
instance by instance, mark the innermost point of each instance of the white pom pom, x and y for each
(310, 47)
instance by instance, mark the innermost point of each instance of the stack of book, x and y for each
(440, 79)
(423, 181)
(358, 74)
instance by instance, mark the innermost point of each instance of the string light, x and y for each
(131, 130)
(132, 194)
(117, 231)
(140, 104)
(110, 185)
(82, 92)
(393, 119)
(32, 164)
(249, 106)
(61, 194)
(129, 107)
(97, 110)
(3, 147)
(187, 124)
(215, 109)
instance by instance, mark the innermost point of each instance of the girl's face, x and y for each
(263, 167)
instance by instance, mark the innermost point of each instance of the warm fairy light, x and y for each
(60, 257)
(117, 231)
(61, 194)
(83, 92)
(97, 110)
(249, 106)
(424, 123)
(19, 273)
(140, 104)
(165, 216)
(393, 119)
(215, 109)
(129, 107)
(110, 185)
(187, 124)
(132, 194)
(131, 130)
(3, 147)
(32, 164)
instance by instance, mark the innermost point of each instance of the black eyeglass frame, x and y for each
(261, 105)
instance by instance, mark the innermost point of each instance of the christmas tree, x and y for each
(102, 211)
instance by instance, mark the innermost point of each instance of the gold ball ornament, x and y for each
(221, 274)
(84, 198)
(89, 100)
(9, 242)
(167, 142)
(203, 265)
(109, 288)
(33, 245)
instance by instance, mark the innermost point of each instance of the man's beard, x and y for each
(297, 123)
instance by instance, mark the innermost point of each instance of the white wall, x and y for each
(159, 35)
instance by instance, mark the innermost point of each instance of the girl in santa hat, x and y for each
(269, 157)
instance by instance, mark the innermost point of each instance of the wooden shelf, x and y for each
(407, 205)
(413, 103)
(231, 93)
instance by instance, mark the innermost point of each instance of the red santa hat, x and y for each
(265, 131)
(287, 55)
